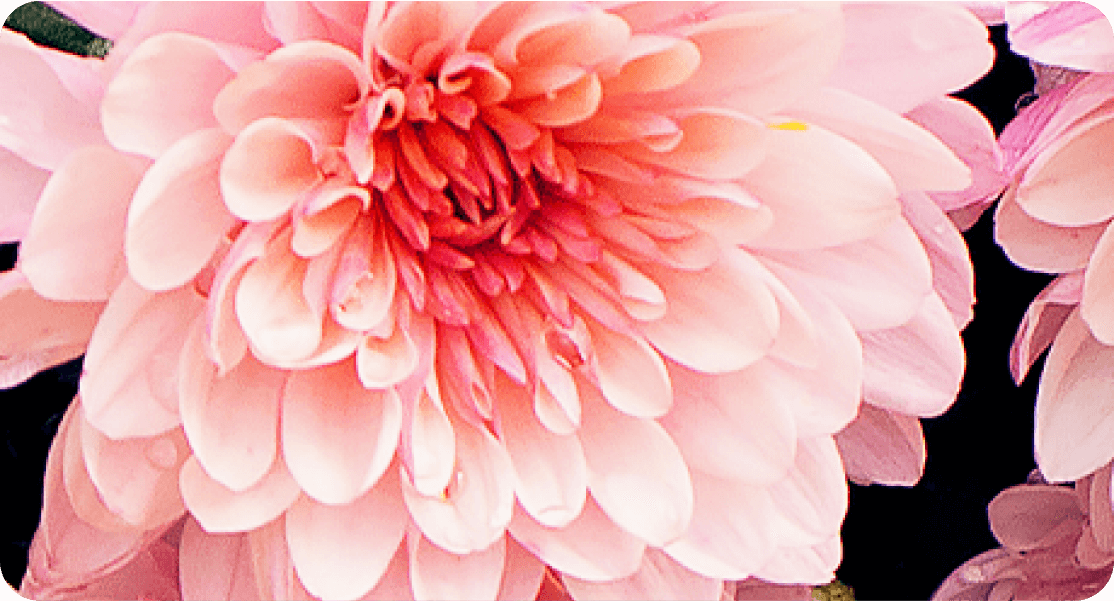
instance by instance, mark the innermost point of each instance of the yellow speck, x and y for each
(789, 125)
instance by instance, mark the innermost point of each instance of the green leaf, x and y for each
(48, 27)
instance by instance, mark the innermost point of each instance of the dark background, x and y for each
(899, 543)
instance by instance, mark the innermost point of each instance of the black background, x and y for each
(899, 543)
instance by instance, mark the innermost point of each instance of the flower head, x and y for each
(436, 298)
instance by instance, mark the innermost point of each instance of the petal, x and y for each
(384, 362)
(38, 333)
(1064, 171)
(814, 564)
(964, 129)
(220, 509)
(953, 277)
(74, 250)
(269, 166)
(635, 471)
(551, 477)
(591, 547)
(914, 158)
(824, 190)
(439, 574)
(24, 184)
(715, 144)
(879, 282)
(736, 426)
(1101, 511)
(136, 477)
(395, 583)
(177, 218)
(1040, 246)
(227, 22)
(789, 52)
(214, 567)
(1028, 517)
(337, 436)
(1076, 35)
(342, 551)
(947, 42)
(1097, 304)
(109, 19)
(916, 368)
(43, 121)
(310, 79)
(1074, 425)
(659, 577)
(231, 419)
(144, 111)
(476, 506)
(814, 495)
(707, 327)
(522, 574)
(732, 530)
(1042, 321)
(631, 374)
(130, 381)
(883, 447)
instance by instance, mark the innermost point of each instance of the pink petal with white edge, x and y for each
(24, 183)
(129, 384)
(177, 218)
(1064, 171)
(1028, 517)
(591, 547)
(970, 136)
(214, 567)
(522, 573)
(39, 333)
(915, 368)
(231, 419)
(733, 529)
(823, 189)
(136, 477)
(631, 373)
(813, 496)
(953, 277)
(342, 551)
(145, 112)
(270, 165)
(659, 578)
(1040, 246)
(474, 509)
(635, 471)
(1097, 304)
(882, 447)
(74, 247)
(878, 283)
(551, 477)
(789, 52)
(736, 426)
(947, 41)
(337, 436)
(220, 509)
(1076, 35)
(310, 79)
(1043, 320)
(723, 324)
(44, 122)
(810, 565)
(914, 158)
(1075, 421)
(438, 574)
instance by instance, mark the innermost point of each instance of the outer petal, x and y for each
(948, 43)
(1065, 171)
(813, 496)
(130, 382)
(341, 552)
(438, 574)
(214, 567)
(177, 217)
(74, 248)
(1097, 305)
(953, 277)
(337, 436)
(1069, 34)
(1028, 517)
(1075, 420)
(220, 509)
(24, 182)
(883, 447)
(144, 111)
(1042, 321)
(1041, 246)
(659, 578)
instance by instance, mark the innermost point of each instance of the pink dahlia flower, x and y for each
(444, 300)
(1057, 543)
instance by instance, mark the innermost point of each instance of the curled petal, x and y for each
(269, 166)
